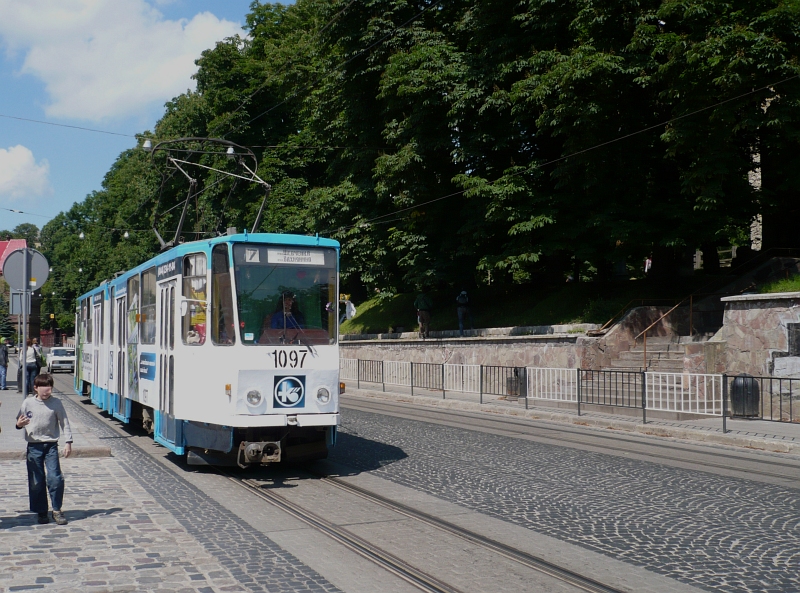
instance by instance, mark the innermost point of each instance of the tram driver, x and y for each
(287, 315)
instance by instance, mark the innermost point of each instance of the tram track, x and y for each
(507, 426)
(416, 577)
(419, 579)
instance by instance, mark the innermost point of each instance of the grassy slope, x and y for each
(520, 305)
(791, 284)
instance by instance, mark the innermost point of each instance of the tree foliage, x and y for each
(477, 141)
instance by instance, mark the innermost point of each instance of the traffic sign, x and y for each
(38, 269)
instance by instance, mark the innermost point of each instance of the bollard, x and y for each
(412, 378)
(579, 391)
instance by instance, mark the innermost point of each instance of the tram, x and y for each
(226, 349)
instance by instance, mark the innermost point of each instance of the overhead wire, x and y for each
(50, 123)
(561, 158)
(15, 211)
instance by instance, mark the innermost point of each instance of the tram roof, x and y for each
(192, 247)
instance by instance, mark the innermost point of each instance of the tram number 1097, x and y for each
(292, 359)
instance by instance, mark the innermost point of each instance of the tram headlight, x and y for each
(323, 395)
(253, 397)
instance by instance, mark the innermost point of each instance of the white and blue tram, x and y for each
(225, 349)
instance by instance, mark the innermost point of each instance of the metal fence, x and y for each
(622, 389)
(766, 398)
(553, 384)
(685, 392)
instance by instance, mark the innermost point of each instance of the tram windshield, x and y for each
(285, 295)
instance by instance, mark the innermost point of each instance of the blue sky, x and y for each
(103, 64)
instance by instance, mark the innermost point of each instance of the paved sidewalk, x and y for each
(12, 441)
(136, 525)
(781, 437)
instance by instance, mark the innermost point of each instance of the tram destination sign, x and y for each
(303, 257)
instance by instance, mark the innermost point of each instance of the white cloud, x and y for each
(105, 59)
(21, 176)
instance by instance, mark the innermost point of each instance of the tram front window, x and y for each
(285, 295)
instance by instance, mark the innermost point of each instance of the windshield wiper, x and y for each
(305, 342)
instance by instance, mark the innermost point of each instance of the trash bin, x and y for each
(745, 396)
(512, 385)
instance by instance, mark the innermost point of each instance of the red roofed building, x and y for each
(6, 247)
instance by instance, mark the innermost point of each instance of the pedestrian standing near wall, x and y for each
(41, 417)
(31, 366)
(423, 305)
(3, 364)
(39, 355)
(463, 311)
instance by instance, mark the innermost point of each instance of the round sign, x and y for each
(38, 269)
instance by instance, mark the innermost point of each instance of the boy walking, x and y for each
(41, 417)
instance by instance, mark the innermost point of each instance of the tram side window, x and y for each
(89, 327)
(222, 329)
(148, 315)
(133, 310)
(193, 325)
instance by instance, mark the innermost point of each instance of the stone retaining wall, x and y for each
(543, 351)
(540, 346)
(762, 334)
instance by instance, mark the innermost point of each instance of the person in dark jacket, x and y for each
(423, 305)
(462, 309)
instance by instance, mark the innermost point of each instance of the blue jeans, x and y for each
(31, 369)
(41, 456)
(3, 373)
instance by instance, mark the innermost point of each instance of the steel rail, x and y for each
(504, 424)
(363, 548)
(529, 560)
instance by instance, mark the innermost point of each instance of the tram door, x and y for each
(167, 430)
(97, 331)
(121, 376)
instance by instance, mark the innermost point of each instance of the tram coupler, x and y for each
(261, 452)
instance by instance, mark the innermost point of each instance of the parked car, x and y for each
(61, 359)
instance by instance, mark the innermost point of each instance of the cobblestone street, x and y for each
(713, 532)
(139, 521)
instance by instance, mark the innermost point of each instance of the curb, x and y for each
(686, 434)
(77, 453)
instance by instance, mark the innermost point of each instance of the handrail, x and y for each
(645, 330)
(625, 308)
(760, 254)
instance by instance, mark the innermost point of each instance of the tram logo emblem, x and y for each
(289, 392)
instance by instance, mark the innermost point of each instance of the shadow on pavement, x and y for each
(27, 518)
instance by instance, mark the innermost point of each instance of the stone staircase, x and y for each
(664, 354)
